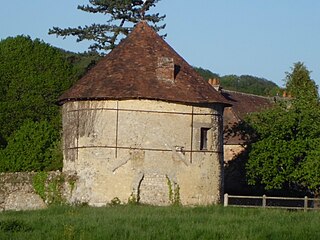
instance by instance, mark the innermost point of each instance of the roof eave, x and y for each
(62, 101)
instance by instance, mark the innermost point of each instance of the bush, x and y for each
(34, 147)
(33, 75)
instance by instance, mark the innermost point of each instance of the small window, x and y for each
(204, 138)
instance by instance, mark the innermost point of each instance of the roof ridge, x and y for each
(143, 66)
(243, 93)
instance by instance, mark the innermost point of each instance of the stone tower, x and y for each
(143, 125)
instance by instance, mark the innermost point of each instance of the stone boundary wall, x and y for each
(34, 190)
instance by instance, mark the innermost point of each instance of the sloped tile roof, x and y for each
(242, 105)
(130, 72)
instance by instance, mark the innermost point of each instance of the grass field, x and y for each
(146, 222)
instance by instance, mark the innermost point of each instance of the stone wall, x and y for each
(129, 148)
(31, 190)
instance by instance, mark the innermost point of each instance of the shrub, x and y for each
(32, 148)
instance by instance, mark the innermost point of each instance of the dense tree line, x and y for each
(32, 77)
(244, 83)
(206, 74)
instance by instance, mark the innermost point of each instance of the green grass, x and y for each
(145, 222)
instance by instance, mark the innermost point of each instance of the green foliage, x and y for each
(2, 142)
(54, 156)
(49, 188)
(54, 190)
(120, 17)
(250, 84)
(72, 182)
(133, 199)
(285, 149)
(243, 83)
(205, 73)
(115, 202)
(32, 76)
(174, 192)
(31, 148)
(298, 83)
(39, 184)
(82, 62)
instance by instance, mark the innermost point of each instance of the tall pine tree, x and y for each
(121, 15)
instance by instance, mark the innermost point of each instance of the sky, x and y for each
(263, 38)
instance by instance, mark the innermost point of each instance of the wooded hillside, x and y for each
(243, 83)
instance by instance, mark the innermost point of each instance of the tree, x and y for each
(32, 76)
(285, 146)
(205, 73)
(243, 83)
(250, 84)
(121, 15)
(299, 84)
(32, 148)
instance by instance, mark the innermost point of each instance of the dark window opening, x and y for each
(204, 138)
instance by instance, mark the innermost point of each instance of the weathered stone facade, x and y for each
(143, 149)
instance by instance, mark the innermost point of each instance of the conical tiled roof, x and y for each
(143, 66)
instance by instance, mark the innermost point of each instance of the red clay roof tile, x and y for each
(134, 69)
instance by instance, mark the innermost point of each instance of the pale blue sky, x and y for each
(257, 37)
